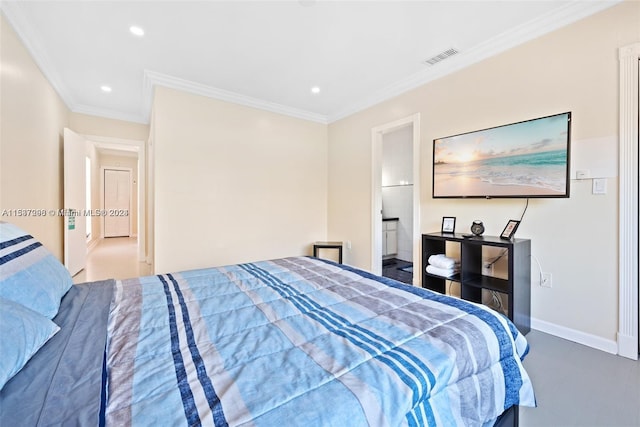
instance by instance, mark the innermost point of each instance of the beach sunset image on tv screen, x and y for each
(525, 159)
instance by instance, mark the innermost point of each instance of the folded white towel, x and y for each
(442, 261)
(445, 272)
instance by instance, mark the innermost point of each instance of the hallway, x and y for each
(113, 258)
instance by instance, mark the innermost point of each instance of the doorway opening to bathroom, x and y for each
(396, 199)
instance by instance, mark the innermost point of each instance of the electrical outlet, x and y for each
(546, 281)
(349, 245)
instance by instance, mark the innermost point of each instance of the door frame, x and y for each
(102, 183)
(377, 134)
(629, 287)
(141, 148)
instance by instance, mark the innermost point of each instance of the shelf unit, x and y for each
(516, 287)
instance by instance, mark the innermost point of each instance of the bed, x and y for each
(292, 341)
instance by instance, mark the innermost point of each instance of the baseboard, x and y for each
(593, 341)
(628, 346)
(92, 244)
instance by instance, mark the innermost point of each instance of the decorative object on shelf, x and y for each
(442, 265)
(510, 229)
(448, 224)
(477, 227)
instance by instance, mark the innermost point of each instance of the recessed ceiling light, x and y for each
(315, 90)
(105, 88)
(136, 31)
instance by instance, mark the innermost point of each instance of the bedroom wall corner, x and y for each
(32, 120)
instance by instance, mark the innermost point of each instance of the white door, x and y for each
(117, 198)
(75, 239)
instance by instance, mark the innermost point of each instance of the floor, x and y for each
(392, 268)
(576, 385)
(113, 258)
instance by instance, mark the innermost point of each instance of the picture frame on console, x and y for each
(510, 229)
(448, 224)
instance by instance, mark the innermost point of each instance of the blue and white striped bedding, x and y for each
(299, 341)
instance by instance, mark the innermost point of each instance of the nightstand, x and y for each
(328, 245)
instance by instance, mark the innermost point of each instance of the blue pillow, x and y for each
(23, 332)
(29, 273)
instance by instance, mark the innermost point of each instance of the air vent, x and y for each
(441, 56)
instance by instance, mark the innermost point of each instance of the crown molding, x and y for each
(559, 18)
(153, 78)
(14, 15)
(568, 14)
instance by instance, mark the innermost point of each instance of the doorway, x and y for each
(396, 199)
(397, 204)
(122, 154)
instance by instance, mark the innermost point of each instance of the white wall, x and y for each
(234, 184)
(397, 186)
(31, 126)
(216, 164)
(572, 69)
(111, 128)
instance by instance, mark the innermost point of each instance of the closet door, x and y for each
(117, 199)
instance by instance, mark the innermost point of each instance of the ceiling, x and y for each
(269, 54)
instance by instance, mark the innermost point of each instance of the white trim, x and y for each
(627, 338)
(152, 78)
(16, 17)
(554, 20)
(150, 202)
(376, 201)
(574, 335)
(93, 243)
(376, 192)
(571, 12)
(140, 147)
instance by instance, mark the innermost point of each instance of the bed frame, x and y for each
(509, 418)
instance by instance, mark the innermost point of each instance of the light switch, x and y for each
(599, 186)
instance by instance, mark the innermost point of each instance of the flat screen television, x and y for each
(517, 160)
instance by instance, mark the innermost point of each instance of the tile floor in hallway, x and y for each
(113, 258)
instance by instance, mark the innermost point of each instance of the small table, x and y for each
(328, 245)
